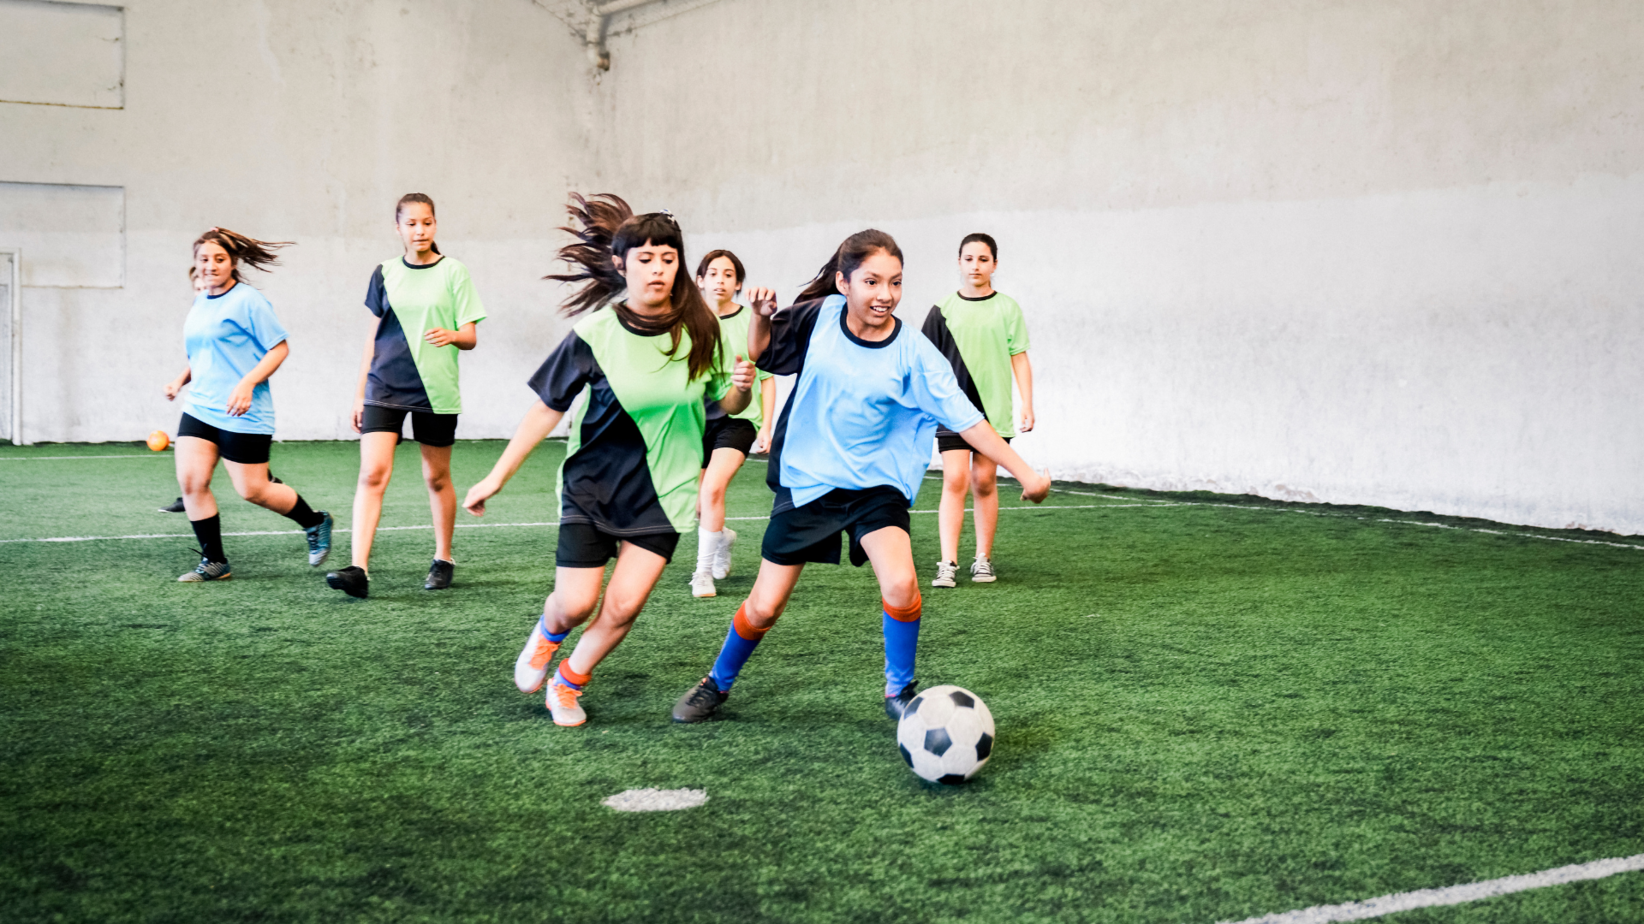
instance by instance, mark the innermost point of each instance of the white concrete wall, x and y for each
(1383, 253)
(304, 121)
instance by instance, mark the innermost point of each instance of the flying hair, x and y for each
(242, 250)
(855, 249)
(978, 237)
(605, 227)
(409, 198)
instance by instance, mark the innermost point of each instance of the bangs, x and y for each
(654, 229)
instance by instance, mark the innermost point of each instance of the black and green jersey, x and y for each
(979, 336)
(408, 372)
(733, 337)
(635, 450)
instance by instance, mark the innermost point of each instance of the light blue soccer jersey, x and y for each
(226, 336)
(863, 413)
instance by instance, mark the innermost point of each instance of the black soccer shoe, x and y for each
(699, 702)
(351, 581)
(175, 506)
(898, 704)
(439, 575)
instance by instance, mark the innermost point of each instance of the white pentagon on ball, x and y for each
(946, 734)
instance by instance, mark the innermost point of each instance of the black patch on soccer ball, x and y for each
(906, 757)
(962, 699)
(951, 779)
(937, 741)
(984, 747)
(914, 706)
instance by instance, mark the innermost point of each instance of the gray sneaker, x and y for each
(319, 540)
(981, 571)
(207, 571)
(699, 702)
(945, 571)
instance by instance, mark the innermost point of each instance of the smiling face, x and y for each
(213, 268)
(719, 284)
(976, 265)
(417, 226)
(872, 291)
(650, 270)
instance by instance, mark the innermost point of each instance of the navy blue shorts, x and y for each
(427, 427)
(800, 535)
(584, 545)
(727, 433)
(244, 448)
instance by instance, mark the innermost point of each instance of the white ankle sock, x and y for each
(707, 544)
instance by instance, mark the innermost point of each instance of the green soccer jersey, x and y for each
(979, 336)
(408, 372)
(733, 335)
(635, 447)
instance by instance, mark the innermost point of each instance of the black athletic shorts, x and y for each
(948, 441)
(244, 448)
(811, 533)
(427, 427)
(727, 433)
(584, 545)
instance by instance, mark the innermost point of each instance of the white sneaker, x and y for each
(722, 557)
(702, 585)
(531, 667)
(981, 571)
(563, 706)
(945, 570)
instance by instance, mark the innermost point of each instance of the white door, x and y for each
(8, 429)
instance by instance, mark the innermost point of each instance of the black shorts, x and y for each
(427, 427)
(949, 441)
(727, 433)
(811, 533)
(244, 448)
(584, 545)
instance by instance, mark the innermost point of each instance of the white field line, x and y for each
(1454, 895)
(156, 455)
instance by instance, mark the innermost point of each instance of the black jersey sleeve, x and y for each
(790, 338)
(376, 294)
(566, 370)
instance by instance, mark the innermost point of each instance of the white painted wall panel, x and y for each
(74, 236)
(62, 54)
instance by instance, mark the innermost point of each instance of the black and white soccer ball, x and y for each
(946, 734)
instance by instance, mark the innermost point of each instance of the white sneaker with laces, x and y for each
(722, 556)
(702, 585)
(563, 705)
(531, 667)
(981, 571)
(945, 571)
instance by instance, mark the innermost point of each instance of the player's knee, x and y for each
(902, 592)
(374, 478)
(985, 485)
(713, 494)
(762, 614)
(438, 482)
(956, 481)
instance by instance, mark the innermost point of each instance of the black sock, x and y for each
(304, 514)
(209, 533)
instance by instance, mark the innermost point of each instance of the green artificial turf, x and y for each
(1205, 713)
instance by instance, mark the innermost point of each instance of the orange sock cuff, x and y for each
(909, 613)
(747, 630)
(571, 675)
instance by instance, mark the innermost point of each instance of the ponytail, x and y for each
(849, 256)
(606, 228)
(241, 250)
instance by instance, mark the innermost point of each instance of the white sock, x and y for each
(707, 544)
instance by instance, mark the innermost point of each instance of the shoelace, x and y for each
(567, 696)
(545, 650)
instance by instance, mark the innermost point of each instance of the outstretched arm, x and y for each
(983, 439)
(539, 421)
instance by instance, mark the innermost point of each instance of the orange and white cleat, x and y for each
(563, 705)
(531, 668)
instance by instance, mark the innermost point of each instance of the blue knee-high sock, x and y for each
(739, 646)
(901, 645)
(555, 637)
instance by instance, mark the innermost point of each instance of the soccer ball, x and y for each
(946, 734)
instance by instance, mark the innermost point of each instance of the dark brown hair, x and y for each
(980, 238)
(241, 249)
(849, 256)
(605, 227)
(741, 274)
(416, 197)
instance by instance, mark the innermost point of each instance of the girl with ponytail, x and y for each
(849, 453)
(234, 343)
(646, 350)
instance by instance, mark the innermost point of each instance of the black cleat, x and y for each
(898, 704)
(439, 575)
(699, 702)
(175, 506)
(351, 581)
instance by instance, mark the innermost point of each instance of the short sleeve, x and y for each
(1016, 334)
(563, 374)
(791, 337)
(464, 299)
(262, 323)
(376, 294)
(933, 388)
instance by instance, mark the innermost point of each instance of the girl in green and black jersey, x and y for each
(647, 351)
